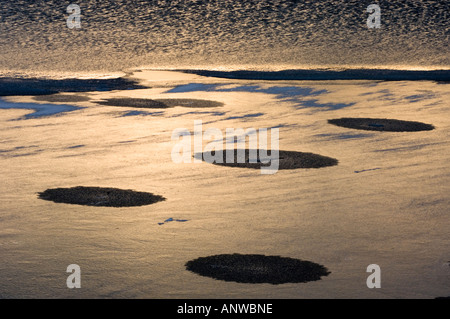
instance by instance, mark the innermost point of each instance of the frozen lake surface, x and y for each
(386, 202)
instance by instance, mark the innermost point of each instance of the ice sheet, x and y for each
(386, 202)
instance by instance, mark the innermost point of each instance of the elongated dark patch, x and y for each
(286, 159)
(388, 125)
(17, 86)
(159, 103)
(257, 269)
(99, 196)
(61, 98)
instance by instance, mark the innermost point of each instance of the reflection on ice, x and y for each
(294, 94)
(40, 110)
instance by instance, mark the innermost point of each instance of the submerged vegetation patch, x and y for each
(373, 124)
(99, 196)
(257, 269)
(61, 98)
(159, 103)
(263, 158)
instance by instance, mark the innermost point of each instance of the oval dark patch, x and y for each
(388, 125)
(159, 103)
(98, 196)
(287, 159)
(257, 269)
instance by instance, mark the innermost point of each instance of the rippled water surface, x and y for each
(119, 34)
